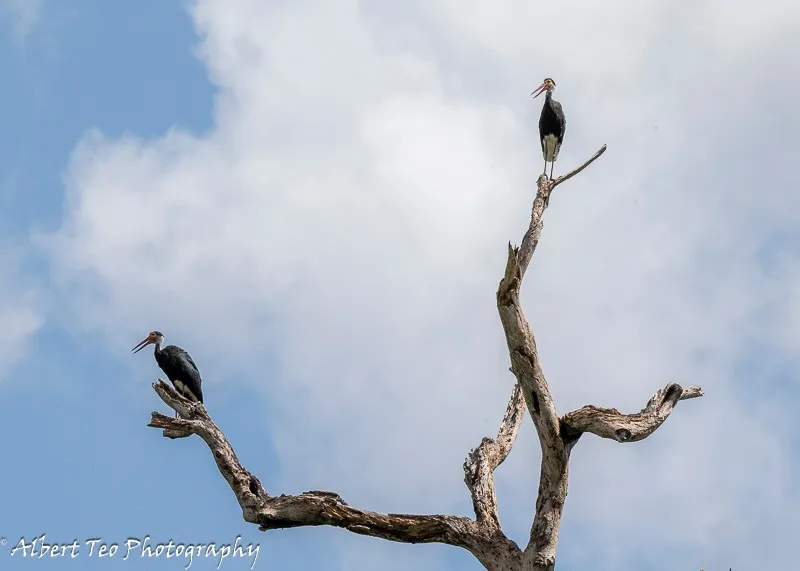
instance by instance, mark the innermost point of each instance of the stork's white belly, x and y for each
(180, 386)
(551, 148)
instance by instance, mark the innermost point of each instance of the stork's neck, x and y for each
(548, 96)
(157, 348)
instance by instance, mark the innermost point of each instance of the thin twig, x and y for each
(566, 177)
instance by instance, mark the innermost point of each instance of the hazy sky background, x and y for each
(314, 199)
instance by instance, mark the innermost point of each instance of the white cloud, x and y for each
(20, 310)
(24, 15)
(348, 216)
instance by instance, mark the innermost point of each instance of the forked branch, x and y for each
(556, 436)
(323, 508)
(526, 366)
(482, 536)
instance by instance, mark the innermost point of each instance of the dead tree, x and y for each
(482, 536)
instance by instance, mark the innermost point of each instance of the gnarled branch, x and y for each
(483, 536)
(610, 423)
(525, 364)
(315, 508)
(481, 462)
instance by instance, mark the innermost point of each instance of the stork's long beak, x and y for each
(539, 91)
(142, 344)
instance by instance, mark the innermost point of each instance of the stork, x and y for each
(177, 365)
(552, 124)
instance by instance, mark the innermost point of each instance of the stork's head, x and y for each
(152, 337)
(547, 85)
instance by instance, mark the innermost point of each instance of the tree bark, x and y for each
(482, 536)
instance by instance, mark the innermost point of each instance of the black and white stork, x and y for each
(552, 124)
(177, 365)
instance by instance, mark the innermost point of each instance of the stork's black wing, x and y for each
(188, 358)
(561, 120)
(179, 366)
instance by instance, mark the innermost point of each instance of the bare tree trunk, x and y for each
(482, 536)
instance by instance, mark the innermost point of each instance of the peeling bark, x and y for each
(482, 536)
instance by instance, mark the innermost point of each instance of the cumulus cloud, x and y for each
(346, 218)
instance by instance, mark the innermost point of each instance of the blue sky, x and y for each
(82, 461)
(315, 202)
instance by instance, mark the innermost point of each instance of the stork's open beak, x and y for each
(539, 90)
(142, 344)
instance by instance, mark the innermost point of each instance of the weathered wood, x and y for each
(481, 463)
(610, 423)
(483, 536)
(314, 508)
